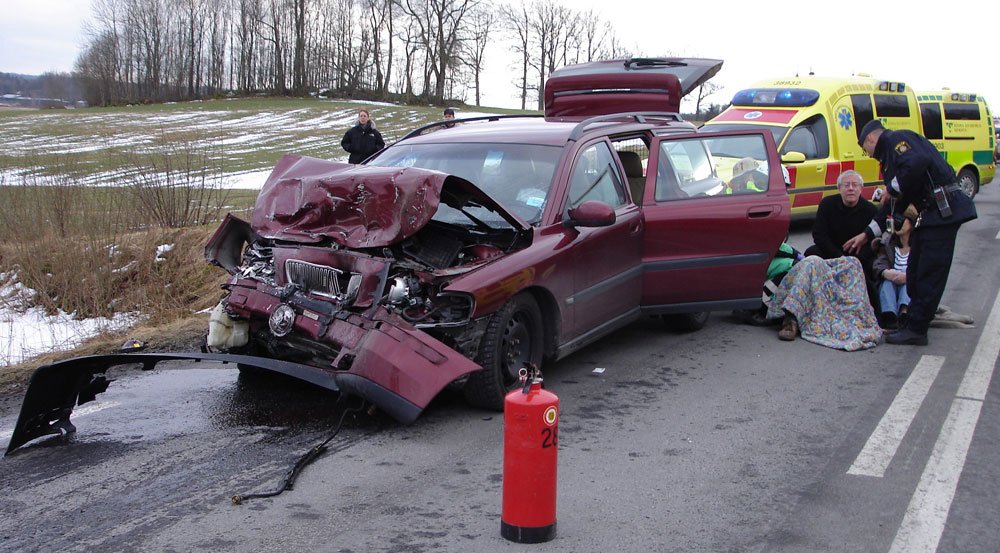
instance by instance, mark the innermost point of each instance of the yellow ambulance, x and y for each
(961, 127)
(815, 122)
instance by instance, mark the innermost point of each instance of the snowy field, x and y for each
(241, 141)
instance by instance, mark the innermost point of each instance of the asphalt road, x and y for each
(724, 440)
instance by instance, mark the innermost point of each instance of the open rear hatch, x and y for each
(633, 85)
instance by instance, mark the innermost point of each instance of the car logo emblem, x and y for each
(281, 320)
(753, 115)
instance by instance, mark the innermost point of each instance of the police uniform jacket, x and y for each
(362, 141)
(911, 166)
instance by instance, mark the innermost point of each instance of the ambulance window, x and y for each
(891, 105)
(810, 138)
(930, 115)
(965, 112)
(862, 104)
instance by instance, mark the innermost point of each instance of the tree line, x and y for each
(428, 51)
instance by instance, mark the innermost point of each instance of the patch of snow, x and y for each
(162, 249)
(251, 180)
(25, 335)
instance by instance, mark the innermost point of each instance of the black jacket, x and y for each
(836, 223)
(361, 142)
(916, 164)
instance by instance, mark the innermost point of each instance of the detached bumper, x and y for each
(54, 390)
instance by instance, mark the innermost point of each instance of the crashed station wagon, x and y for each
(458, 255)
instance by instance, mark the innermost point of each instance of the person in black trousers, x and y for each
(362, 140)
(915, 173)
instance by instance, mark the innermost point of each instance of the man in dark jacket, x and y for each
(916, 174)
(840, 218)
(362, 140)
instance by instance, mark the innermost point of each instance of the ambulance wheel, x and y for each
(686, 322)
(969, 183)
(513, 337)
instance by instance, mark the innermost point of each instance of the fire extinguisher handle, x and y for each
(529, 374)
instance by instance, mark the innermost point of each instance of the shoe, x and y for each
(789, 328)
(906, 337)
(889, 321)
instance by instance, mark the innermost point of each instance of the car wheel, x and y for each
(969, 183)
(687, 322)
(513, 337)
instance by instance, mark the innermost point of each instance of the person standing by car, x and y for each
(916, 174)
(362, 140)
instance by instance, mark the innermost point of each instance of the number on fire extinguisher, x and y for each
(550, 437)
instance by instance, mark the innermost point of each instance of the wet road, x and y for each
(722, 440)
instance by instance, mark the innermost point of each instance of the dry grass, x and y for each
(96, 252)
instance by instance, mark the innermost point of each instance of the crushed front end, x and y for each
(358, 291)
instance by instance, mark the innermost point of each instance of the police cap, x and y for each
(871, 126)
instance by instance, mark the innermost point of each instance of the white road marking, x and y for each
(884, 441)
(926, 516)
(977, 377)
(927, 513)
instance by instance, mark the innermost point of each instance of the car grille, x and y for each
(318, 279)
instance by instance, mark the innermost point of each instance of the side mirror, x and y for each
(793, 157)
(590, 213)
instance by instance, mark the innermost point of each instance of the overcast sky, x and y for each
(888, 40)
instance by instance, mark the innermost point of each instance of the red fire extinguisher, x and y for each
(530, 444)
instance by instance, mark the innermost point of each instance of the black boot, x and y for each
(907, 337)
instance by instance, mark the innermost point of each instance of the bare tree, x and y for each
(518, 22)
(704, 91)
(440, 23)
(380, 25)
(299, 57)
(481, 22)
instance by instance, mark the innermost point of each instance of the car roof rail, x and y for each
(420, 130)
(638, 117)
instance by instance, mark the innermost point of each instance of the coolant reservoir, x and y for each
(224, 332)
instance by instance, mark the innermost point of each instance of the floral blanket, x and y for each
(830, 301)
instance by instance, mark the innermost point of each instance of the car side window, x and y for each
(595, 177)
(633, 152)
(711, 166)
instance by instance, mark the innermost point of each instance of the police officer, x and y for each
(915, 173)
(362, 140)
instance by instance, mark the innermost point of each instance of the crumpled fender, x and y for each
(54, 390)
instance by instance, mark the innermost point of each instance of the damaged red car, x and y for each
(458, 254)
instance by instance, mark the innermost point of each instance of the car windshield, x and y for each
(777, 132)
(517, 176)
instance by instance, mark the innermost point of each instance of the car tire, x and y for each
(687, 322)
(513, 337)
(968, 182)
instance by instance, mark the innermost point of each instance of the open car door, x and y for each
(716, 211)
(625, 85)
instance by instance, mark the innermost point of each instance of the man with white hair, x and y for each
(840, 218)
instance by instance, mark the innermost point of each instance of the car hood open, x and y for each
(308, 199)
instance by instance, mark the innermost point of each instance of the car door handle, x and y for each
(760, 212)
(636, 228)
